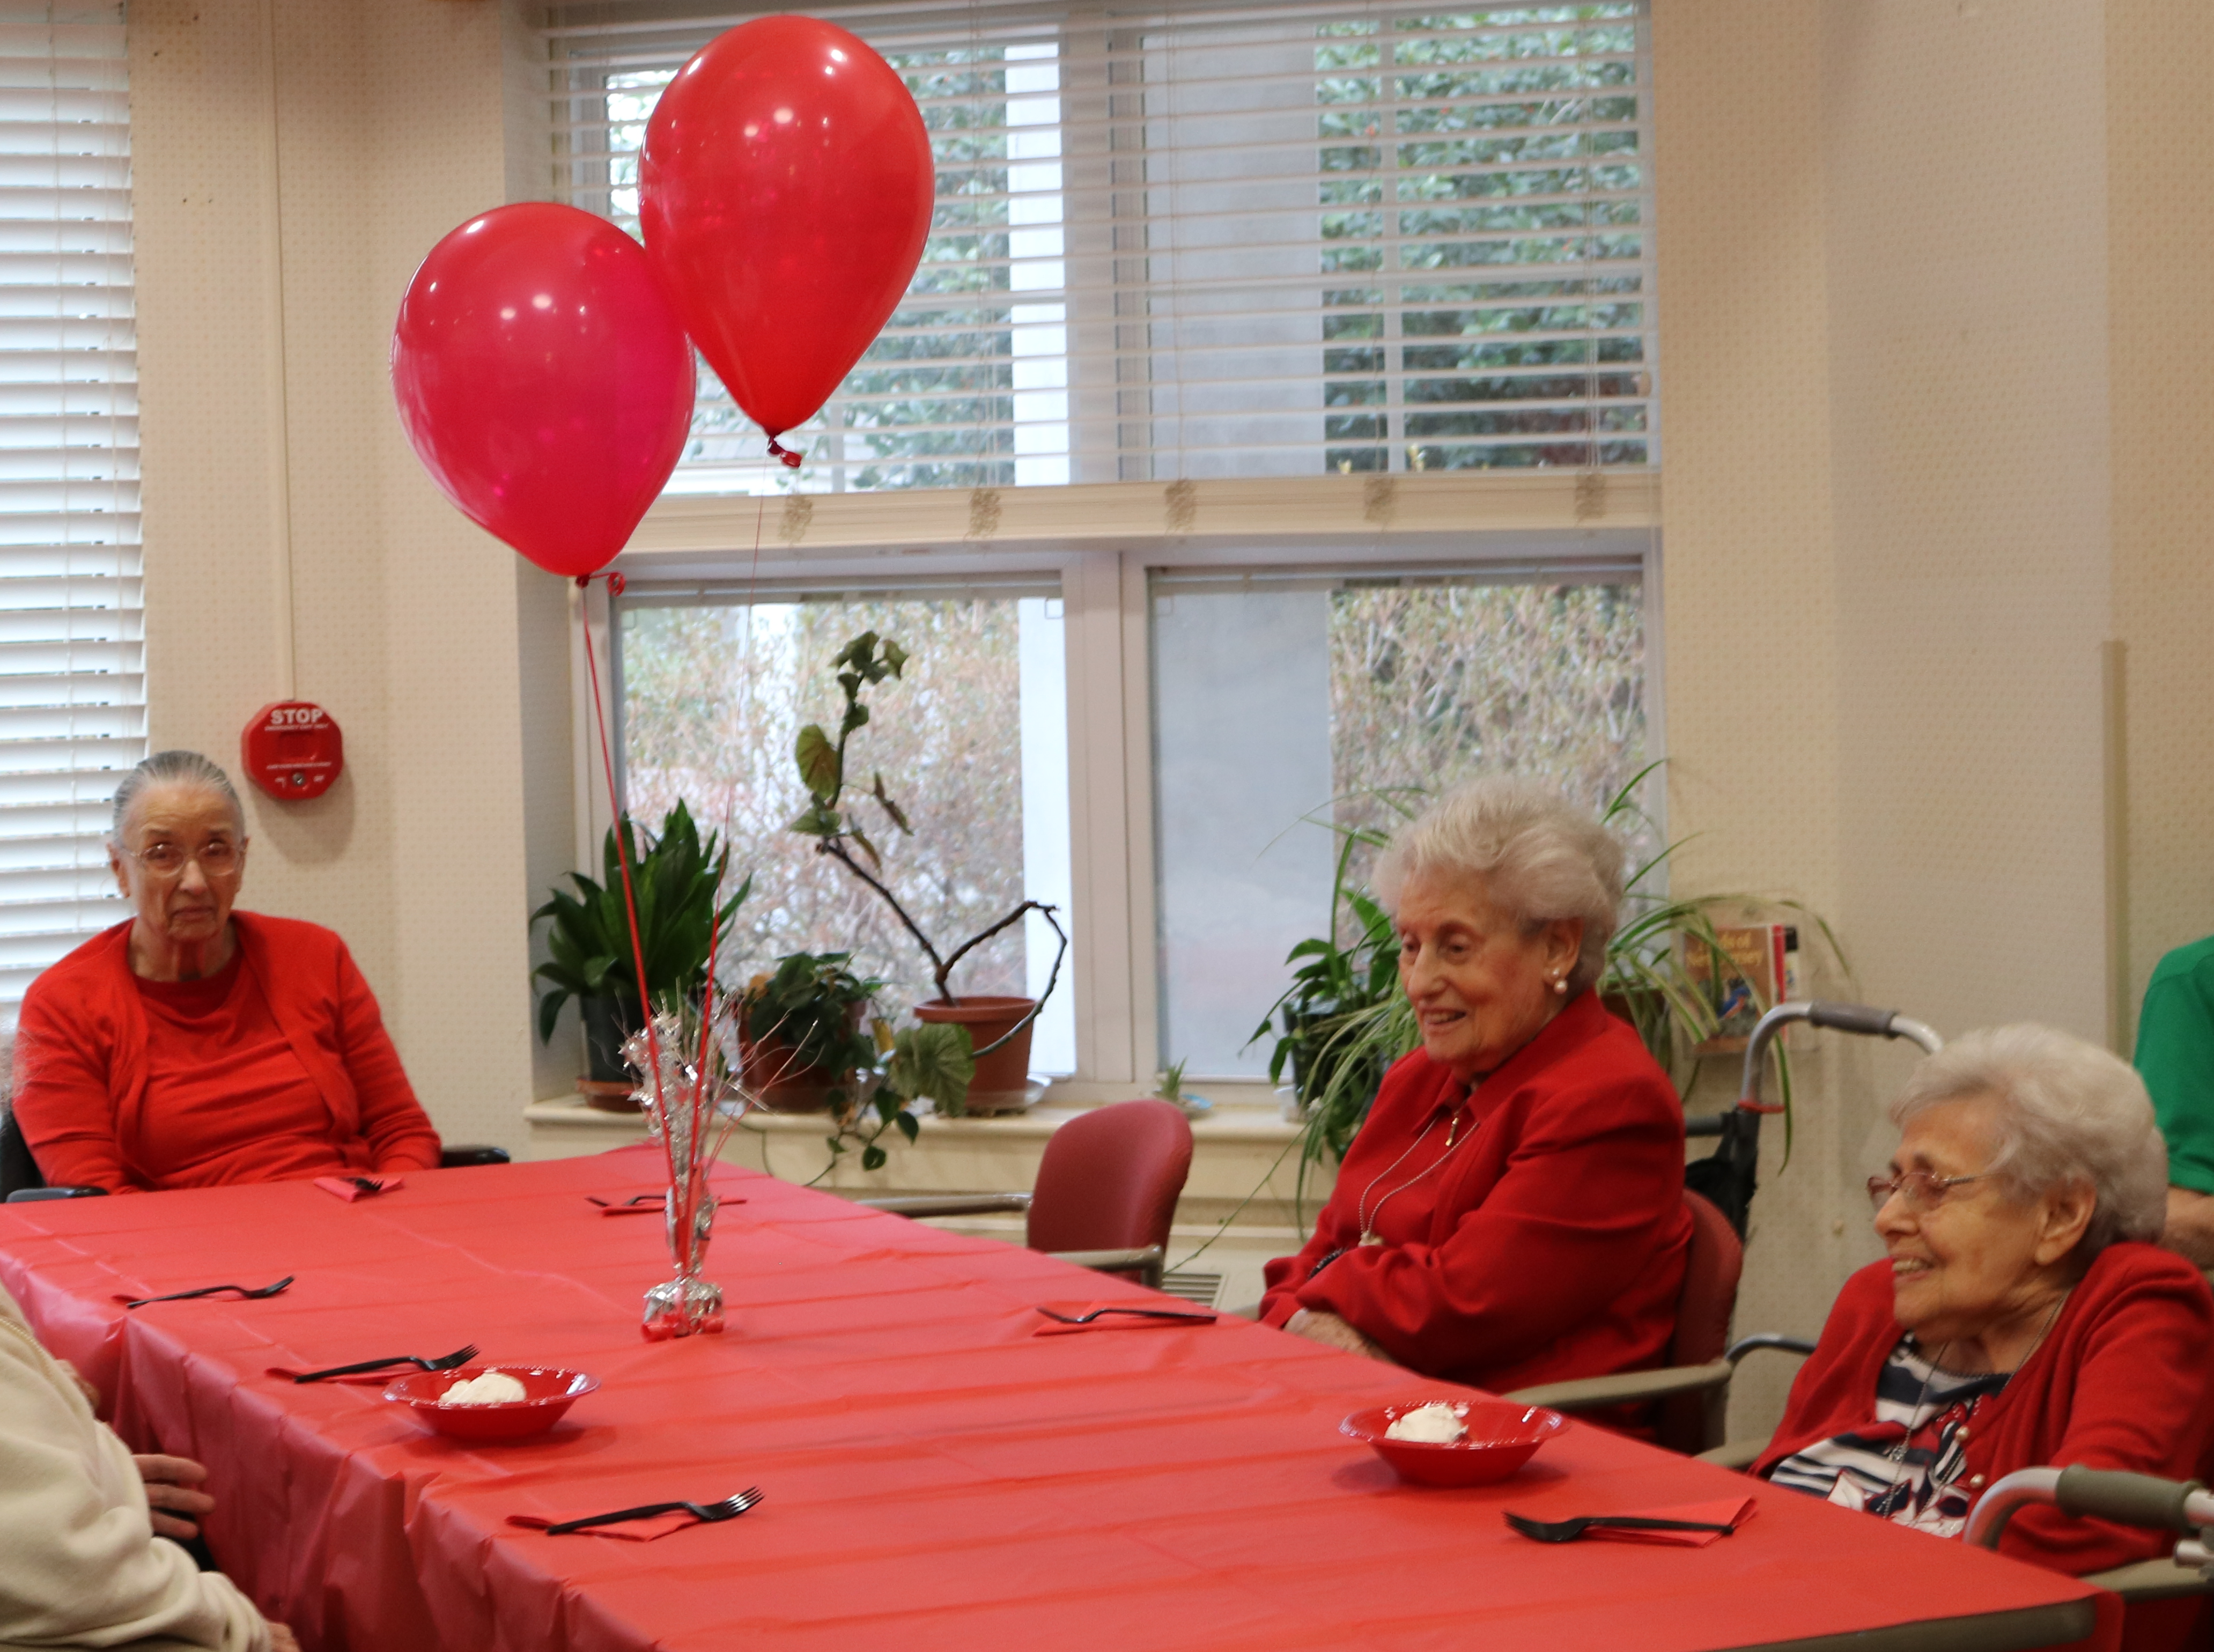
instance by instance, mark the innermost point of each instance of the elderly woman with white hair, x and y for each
(193, 1045)
(1512, 1211)
(2022, 1315)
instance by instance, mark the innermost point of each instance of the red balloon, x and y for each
(544, 380)
(786, 190)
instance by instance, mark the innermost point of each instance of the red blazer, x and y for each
(80, 1066)
(1550, 1245)
(2120, 1381)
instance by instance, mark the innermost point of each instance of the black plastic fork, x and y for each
(246, 1293)
(1196, 1319)
(1569, 1531)
(460, 1356)
(729, 1508)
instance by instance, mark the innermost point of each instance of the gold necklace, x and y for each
(1364, 1220)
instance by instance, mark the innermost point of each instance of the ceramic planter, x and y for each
(1002, 1080)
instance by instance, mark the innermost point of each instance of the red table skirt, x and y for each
(936, 1475)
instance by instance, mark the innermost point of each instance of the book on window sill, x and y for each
(1758, 968)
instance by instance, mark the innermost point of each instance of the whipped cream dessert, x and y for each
(1434, 1424)
(492, 1388)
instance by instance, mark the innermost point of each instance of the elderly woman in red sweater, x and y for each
(1513, 1210)
(195, 1046)
(2022, 1316)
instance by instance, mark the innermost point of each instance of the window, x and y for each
(1234, 241)
(971, 740)
(1289, 702)
(72, 686)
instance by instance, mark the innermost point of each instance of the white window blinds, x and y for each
(72, 671)
(1226, 240)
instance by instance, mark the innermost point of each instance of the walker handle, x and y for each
(1863, 1018)
(2131, 1499)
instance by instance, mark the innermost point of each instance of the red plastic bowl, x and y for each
(1501, 1437)
(549, 1392)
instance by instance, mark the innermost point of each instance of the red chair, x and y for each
(1106, 1190)
(1693, 1389)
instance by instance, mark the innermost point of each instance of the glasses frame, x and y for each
(178, 870)
(1881, 1190)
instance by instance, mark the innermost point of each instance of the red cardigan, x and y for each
(80, 1064)
(1550, 1245)
(2120, 1381)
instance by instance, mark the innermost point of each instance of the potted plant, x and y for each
(993, 1031)
(677, 878)
(802, 1045)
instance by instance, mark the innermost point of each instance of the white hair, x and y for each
(172, 769)
(1539, 857)
(2067, 1112)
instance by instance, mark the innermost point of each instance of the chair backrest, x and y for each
(18, 1169)
(1110, 1177)
(1712, 1265)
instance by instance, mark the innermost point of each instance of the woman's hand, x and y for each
(280, 1639)
(174, 1505)
(1333, 1332)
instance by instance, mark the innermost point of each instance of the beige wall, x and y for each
(2159, 62)
(270, 255)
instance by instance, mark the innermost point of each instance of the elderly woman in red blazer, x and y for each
(1513, 1210)
(194, 1046)
(2022, 1316)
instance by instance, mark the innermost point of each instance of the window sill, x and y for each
(1230, 1124)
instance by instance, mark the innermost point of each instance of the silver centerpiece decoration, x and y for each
(690, 1102)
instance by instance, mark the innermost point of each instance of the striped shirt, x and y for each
(1904, 1464)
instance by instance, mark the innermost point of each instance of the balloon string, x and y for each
(785, 454)
(622, 860)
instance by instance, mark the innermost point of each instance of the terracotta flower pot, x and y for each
(1002, 1080)
(771, 1071)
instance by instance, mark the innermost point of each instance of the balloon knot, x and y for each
(785, 454)
(615, 583)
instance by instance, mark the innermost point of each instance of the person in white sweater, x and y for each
(80, 1565)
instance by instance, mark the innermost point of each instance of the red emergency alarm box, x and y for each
(292, 750)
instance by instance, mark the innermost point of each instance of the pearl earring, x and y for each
(1560, 984)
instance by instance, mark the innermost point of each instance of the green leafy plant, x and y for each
(808, 1014)
(677, 878)
(833, 822)
(919, 1063)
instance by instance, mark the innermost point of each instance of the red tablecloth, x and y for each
(937, 1476)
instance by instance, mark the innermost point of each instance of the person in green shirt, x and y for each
(2175, 1058)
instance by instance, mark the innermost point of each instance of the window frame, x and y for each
(1113, 950)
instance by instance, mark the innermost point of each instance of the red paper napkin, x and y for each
(1046, 1327)
(342, 1188)
(1723, 1511)
(643, 1530)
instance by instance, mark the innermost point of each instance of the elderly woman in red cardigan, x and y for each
(194, 1046)
(2022, 1315)
(1513, 1210)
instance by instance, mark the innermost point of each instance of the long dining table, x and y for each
(935, 1473)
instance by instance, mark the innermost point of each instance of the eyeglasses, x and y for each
(1922, 1191)
(218, 859)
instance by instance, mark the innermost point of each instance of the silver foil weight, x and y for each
(690, 1121)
